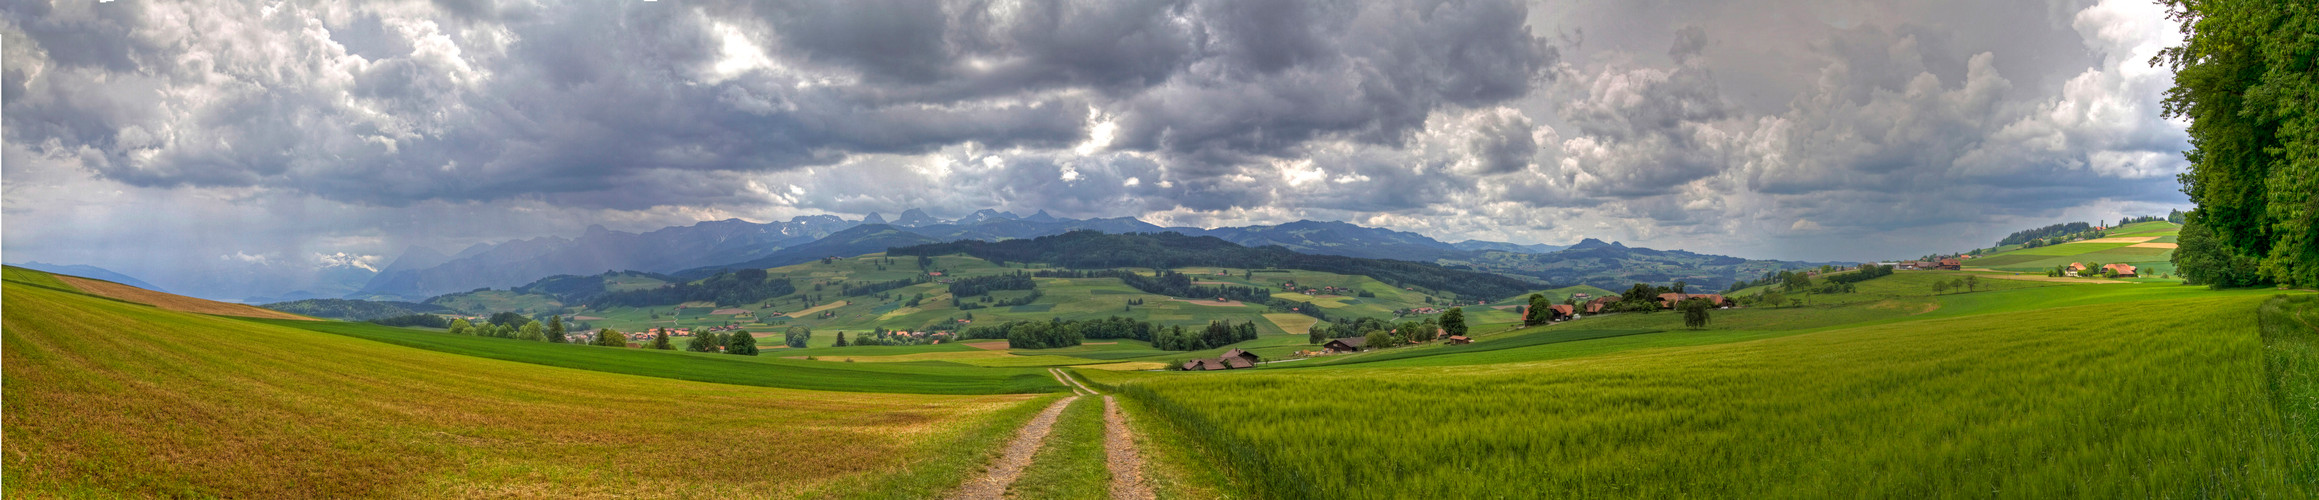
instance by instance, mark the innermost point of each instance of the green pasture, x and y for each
(2145, 391)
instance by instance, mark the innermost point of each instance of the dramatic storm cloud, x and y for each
(154, 137)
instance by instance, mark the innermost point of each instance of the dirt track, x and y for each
(1119, 451)
(993, 484)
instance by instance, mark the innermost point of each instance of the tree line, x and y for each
(988, 301)
(2027, 235)
(2245, 78)
(978, 285)
(746, 286)
(1169, 283)
(878, 287)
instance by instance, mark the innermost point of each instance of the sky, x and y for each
(209, 140)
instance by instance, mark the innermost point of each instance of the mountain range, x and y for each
(704, 248)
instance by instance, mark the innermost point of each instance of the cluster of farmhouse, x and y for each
(2076, 269)
(1315, 290)
(1231, 360)
(1948, 264)
(1356, 344)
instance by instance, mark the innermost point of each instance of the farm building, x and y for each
(1459, 340)
(2123, 270)
(1347, 344)
(1950, 264)
(1668, 300)
(1222, 363)
(1600, 303)
(1559, 312)
(1203, 365)
(2074, 269)
(1241, 354)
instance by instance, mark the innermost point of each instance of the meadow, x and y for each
(2109, 398)
(113, 399)
(764, 370)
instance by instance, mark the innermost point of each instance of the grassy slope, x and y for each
(2107, 399)
(112, 399)
(768, 371)
(2152, 261)
(1901, 297)
(126, 293)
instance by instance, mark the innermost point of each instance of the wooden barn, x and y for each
(1250, 357)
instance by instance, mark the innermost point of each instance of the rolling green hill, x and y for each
(2148, 246)
(820, 302)
(107, 398)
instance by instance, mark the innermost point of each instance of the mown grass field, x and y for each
(112, 399)
(2144, 391)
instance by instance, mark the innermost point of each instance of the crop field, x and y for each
(2153, 398)
(117, 291)
(109, 399)
(2290, 326)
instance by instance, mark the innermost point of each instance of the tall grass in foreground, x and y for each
(2291, 355)
(110, 399)
(2164, 399)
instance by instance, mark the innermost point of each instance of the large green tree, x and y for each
(556, 329)
(1695, 312)
(1535, 313)
(742, 343)
(1453, 321)
(702, 342)
(797, 336)
(2247, 78)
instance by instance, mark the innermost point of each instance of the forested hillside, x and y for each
(355, 310)
(1093, 250)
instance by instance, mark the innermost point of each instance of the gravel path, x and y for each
(993, 485)
(1118, 447)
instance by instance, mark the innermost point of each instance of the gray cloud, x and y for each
(1813, 128)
